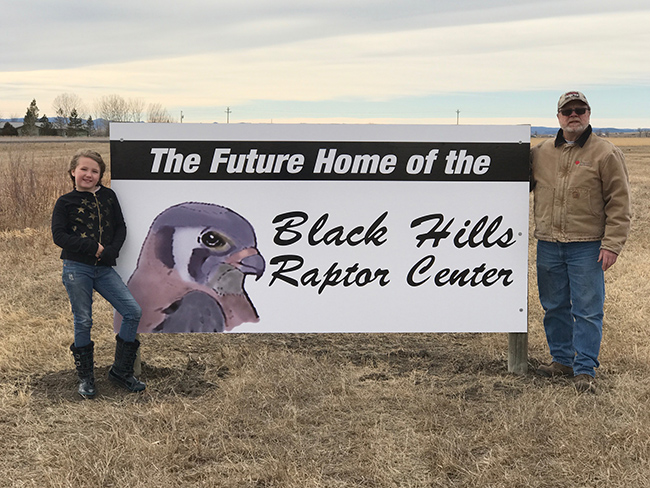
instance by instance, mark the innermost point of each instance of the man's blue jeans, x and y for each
(80, 280)
(571, 286)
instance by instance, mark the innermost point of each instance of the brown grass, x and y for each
(400, 410)
(32, 176)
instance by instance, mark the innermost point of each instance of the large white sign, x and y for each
(324, 228)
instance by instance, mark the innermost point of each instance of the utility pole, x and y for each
(457, 117)
(228, 112)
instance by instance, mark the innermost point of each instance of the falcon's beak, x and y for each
(253, 264)
(248, 261)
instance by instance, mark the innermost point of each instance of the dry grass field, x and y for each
(302, 411)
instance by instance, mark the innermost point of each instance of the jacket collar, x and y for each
(559, 139)
(99, 187)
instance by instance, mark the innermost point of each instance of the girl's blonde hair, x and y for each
(87, 153)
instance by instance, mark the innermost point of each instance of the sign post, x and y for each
(518, 352)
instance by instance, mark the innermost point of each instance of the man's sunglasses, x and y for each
(579, 111)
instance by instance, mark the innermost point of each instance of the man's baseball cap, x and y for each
(570, 97)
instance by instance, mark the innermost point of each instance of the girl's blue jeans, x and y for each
(571, 286)
(80, 280)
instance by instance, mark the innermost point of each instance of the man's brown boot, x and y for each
(554, 369)
(585, 383)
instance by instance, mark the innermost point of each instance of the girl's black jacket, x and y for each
(82, 219)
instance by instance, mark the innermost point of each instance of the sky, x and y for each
(333, 61)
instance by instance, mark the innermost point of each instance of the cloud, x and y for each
(71, 33)
(504, 56)
(204, 53)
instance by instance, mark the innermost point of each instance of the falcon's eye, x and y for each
(215, 240)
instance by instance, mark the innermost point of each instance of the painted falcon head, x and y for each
(191, 270)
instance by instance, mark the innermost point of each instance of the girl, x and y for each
(88, 225)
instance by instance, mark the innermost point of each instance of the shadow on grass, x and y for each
(187, 381)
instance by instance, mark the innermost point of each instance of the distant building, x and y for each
(8, 129)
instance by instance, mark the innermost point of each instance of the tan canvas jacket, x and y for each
(581, 191)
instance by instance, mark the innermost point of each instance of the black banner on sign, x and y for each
(319, 161)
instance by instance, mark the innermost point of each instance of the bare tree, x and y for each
(157, 113)
(137, 107)
(112, 108)
(63, 105)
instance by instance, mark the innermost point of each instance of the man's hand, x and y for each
(607, 258)
(100, 250)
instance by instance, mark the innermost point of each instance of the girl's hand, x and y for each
(100, 250)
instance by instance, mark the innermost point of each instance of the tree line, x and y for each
(73, 118)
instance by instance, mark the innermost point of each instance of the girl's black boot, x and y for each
(121, 372)
(83, 360)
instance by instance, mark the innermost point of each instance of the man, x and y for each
(582, 220)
